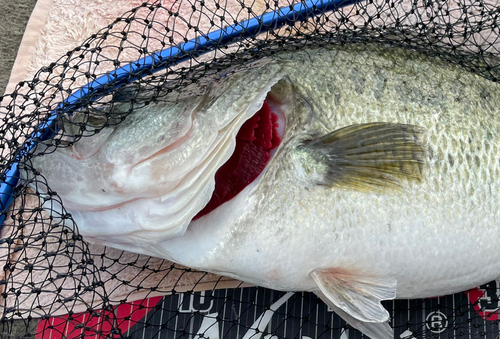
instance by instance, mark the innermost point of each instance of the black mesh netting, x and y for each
(55, 285)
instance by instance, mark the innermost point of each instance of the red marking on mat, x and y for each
(98, 324)
(135, 311)
(479, 295)
(255, 140)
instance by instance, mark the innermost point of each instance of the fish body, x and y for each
(325, 215)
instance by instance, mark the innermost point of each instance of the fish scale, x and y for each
(417, 234)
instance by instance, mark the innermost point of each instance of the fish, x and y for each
(360, 173)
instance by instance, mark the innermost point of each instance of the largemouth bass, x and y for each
(360, 173)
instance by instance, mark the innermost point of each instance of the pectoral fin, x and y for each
(358, 296)
(370, 156)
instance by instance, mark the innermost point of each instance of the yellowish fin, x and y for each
(366, 157)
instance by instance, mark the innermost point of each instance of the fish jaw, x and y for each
(129, 189)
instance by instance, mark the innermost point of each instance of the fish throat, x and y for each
(254, 143)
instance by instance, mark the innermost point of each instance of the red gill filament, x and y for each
(255, 140)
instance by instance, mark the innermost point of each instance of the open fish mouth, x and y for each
(256, 143)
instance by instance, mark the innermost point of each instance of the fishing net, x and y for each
(56, 285)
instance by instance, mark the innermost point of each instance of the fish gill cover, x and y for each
(54, 284)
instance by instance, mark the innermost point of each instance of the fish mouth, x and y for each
(256, 143)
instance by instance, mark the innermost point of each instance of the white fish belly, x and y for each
(428, 254)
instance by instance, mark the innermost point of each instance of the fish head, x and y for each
(142, 181)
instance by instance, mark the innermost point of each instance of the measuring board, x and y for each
(246, 313)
